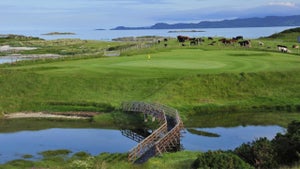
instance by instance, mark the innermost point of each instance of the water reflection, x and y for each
(136, 135)
(229, 138)
(93, 141)
(96, 141)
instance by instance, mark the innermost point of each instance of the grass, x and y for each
(194, 80)
(105, 160)
(179, 160)
(210, 86)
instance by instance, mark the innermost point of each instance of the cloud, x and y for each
(287, 4)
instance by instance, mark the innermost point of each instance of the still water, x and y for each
(95, 141)
(10, 59)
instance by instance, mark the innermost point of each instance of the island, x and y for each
(59, 33)
(177, 31)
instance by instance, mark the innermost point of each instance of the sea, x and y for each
(108, 35)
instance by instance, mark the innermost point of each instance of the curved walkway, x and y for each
(165, 138)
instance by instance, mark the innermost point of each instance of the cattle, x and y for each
(261, 43)
(182, 39)
(158, 41)
(245, 43)
(226, 41)
(165, 45)
(210, 38)
(165, 39)
(282, 48)
(200, 40)
(193, 42)
(212, 43)
(295, 47)
(239, 38)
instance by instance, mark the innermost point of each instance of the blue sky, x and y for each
(112, 13)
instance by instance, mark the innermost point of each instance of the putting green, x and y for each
(174, 64)
(215, 61)
(179, 61)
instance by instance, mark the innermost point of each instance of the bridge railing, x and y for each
(161, 138)
(146, 108)
(140, 149)
(171, 139)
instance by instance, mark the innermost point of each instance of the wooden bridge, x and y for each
(165, 138)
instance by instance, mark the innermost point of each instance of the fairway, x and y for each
(177, 62)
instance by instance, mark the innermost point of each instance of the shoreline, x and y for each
(59, 115)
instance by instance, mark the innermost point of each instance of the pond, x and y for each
(14, 145)
(229, 138)
(10, 59)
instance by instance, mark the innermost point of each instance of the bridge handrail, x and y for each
(142, 147)
(178, 126)
(135, 152)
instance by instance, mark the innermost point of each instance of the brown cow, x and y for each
(182, 39)
(295, 47)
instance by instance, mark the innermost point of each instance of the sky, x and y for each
(112, 13)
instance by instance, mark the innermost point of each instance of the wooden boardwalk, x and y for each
(165, 138)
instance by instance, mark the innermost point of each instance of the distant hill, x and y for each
(289, 35)
(288, 31)
(268, 21)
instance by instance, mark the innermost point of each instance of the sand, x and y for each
(40, 115)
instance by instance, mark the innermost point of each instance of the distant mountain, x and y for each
(268, 21)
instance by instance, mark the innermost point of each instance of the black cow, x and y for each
(245, 43)
(239, 38)
(282, 48)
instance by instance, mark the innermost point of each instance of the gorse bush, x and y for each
(284, 149)
(219, 160)
(259, 153)
(287, 145)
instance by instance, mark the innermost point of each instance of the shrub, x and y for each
(219, 160)
(287, 145)
(83, 164)
(259, 153)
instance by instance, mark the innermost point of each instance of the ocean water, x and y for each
(108, 35)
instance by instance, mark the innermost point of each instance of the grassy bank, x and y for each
(179, 160)
(195, 81)
(201, 81)
(53, 159)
